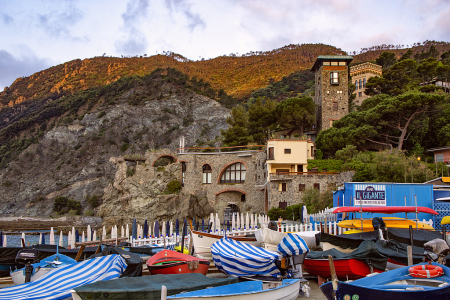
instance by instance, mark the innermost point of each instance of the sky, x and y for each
(37, 34)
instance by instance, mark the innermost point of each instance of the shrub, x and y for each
(160, 169)
(130, 172)
(88, 213)
(124, 147)
(93, 201)
(173, 187)
(275, 212)
(331, 165)
(101, 114)
(65, 205)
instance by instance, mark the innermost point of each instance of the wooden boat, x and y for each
(391, 222)
(203, 242)
(43, 267)
(148, 287)
(288, 289)
(345, 268)
(172, 262)
(396, 284)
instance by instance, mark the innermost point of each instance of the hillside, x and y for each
(238, 76)
(61, 148)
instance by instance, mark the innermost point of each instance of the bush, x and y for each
(101, 114)
(173, 187)
(93, 201)
(130, 172)
(124, 147)
(316, 200)
(64, 205)
(88, 213)
(331, 165)
(160, 169)
(275, 212)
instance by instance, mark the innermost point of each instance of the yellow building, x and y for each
(360, 74)
(288, 156)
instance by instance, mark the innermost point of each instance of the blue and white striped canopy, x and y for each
(57, 284)
(292, 244)
(240, 259)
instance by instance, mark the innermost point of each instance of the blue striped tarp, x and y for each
(292, 244)
(58, 283)
(240, 259)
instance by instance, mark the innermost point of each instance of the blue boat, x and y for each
(395, 284)
(288, 289)
(43, 267)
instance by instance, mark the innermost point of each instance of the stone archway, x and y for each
(171, 158)
(229, 210)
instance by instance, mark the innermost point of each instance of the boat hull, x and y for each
(203, 242)
(391, 222)
(171, 262)
(345, 268)
(18, 277)
(367, 293)
(234, 292)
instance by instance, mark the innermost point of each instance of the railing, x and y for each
(220, 149)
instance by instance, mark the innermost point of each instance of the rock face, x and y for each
(143, 198)
(73, 160)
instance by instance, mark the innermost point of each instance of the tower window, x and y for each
(360, 84)
(335, 106)
(364, 83)
(360, 94)
(334, 77)
(356, 84)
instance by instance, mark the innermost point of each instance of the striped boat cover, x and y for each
(292, 244)
(240, 259)
(58, 283)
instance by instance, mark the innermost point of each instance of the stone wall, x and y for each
(361, 72)
(292, 195)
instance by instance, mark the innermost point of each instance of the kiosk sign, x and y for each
(371, 196)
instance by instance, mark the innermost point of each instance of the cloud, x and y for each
(13, 67)
(185, 8)
(6, 19)
(135, 41)
(58, 23)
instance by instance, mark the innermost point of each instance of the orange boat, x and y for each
(345, 268)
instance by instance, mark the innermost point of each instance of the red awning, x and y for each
(386, 209)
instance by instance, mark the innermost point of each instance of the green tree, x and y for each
(261, 119)
(406, 55)
(386, 59)
(297, 112)
(427, 69)
(381, 120)
(237, 134)
(316, 200)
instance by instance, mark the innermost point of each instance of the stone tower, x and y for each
(360, 74)
(331, 94)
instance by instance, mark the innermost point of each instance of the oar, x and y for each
(334, 280)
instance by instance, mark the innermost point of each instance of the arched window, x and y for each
(356, 84)
(360, 84)
(364, 83)
(234, 174)
(206, 174)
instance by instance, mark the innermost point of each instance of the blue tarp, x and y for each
(58, 283)
(291, 245)
(240, 259)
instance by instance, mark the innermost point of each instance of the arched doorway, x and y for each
(164, 160)
(228, 212)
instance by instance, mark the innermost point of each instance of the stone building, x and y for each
(250, 181)
(360, 74)
(331, 89)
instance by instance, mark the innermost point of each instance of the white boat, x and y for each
(203, 242)
(269, 239)
(41, 268)
(288, 289)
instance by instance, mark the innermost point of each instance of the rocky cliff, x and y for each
(70, 156)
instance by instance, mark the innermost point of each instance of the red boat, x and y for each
(172, 262)
(345, 268)
(386, 209)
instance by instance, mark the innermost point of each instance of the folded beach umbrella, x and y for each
(203, 225)
(156, 229)
(42, 242)
(167, 228)
(52, 236)
(145, 229)
(1, 238)
(77, 236)
(134, 229)
(61, 239)
(177, 227)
